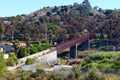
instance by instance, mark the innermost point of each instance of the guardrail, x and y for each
(74, 41)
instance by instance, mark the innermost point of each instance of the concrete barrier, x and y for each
(39, 54)
(51, 56)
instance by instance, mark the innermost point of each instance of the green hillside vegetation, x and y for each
(61, 23)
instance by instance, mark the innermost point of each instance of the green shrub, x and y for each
(37, 48)
(33, 50)
(88, 66)
(104, 68)
(24, 74)
(93, 75)
(105, 60)
(96, 57)
(116, 66)
(2, 64)
(88, 60)
(37, 73)
(29, 61)
(22, 52)
(12, 55)
(12, 60)
(76, 70)
(46, 46)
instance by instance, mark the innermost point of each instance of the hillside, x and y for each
(60, 23)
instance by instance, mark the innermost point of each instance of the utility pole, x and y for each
(12, 35)
(107, 45)
(89, 44)
(1, 40)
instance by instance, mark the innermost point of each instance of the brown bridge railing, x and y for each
(77, 40)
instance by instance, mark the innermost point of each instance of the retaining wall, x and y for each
(39, 54)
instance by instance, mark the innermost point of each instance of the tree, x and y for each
(86, 2)
(2, 30)
(52, 29)
(55, 9)
(16, 46)
(108, 12)
(106, 38)
(22, 52)
(48, 14)
(2, 63)
(28, 43)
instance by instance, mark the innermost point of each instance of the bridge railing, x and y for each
(73, 42)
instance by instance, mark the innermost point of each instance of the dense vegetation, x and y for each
(62, 23)
(101, 65)
(23, 51)
(93, 66)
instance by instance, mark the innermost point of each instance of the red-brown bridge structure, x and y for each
(73, 43)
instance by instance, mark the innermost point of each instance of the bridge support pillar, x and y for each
(73, 52)
(86, 45)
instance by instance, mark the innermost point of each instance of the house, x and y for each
(8, 46)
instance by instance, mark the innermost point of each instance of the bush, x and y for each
(12, 55)
(105, 60)
(12, 60)
(104, 68)
(113, 77)
(85, 9)
(33, 50)
(2, 64)
(88, 60)
(76, 70)
(93, 75)
(24, 74)
(46, 46)
(29, 61)
(116, 66)
(37, 48)
(37, 73)
(22, 52)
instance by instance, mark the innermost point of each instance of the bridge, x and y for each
(51, 54)
(73, 43)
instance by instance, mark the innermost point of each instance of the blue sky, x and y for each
(15, 7)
